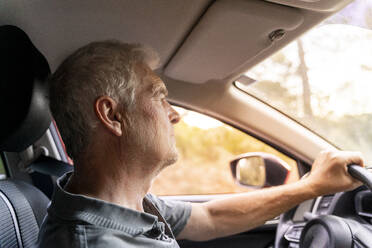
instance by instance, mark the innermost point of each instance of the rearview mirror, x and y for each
(259, 169)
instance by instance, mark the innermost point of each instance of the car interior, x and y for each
(204, 46)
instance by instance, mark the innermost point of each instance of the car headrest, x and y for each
(24, 107)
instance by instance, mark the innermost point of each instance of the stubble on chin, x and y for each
(172, 158)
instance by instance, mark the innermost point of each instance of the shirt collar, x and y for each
(76, 207)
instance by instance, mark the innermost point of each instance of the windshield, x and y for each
(324, 79)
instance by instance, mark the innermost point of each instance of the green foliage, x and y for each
(2, 170)
(211, 144)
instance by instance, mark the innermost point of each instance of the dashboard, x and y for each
(339, 220)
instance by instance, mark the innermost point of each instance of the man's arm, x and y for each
(245, 211)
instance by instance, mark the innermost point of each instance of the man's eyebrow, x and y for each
(159, 89)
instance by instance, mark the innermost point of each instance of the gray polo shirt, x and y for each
(81, 221)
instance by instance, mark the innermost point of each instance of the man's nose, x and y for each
(174, 116)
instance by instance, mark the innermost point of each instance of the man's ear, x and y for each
(108, 114)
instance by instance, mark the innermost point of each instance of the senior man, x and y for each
(117, 125)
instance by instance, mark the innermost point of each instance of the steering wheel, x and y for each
(327, 231)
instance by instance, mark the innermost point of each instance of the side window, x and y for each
(59, 143)
(205, 147)
(2, 169)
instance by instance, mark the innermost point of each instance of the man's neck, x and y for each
(123, 184)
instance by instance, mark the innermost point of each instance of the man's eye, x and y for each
(160, 97)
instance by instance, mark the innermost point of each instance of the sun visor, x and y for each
(230, 34)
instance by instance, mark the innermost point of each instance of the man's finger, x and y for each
(353, 158)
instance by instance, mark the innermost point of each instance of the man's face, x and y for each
(153, 119)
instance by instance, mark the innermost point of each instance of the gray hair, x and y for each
(97, 69)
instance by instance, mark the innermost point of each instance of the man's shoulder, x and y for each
(62, 234)
(176, 213)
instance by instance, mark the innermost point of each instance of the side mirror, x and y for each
(259, 169)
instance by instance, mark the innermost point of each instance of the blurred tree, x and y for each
(302, 71)
(279, 95)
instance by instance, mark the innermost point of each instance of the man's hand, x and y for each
(329, 172)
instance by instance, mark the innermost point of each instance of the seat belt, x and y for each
(50, 166)
(43, 168)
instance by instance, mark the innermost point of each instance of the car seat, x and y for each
(25, 118)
